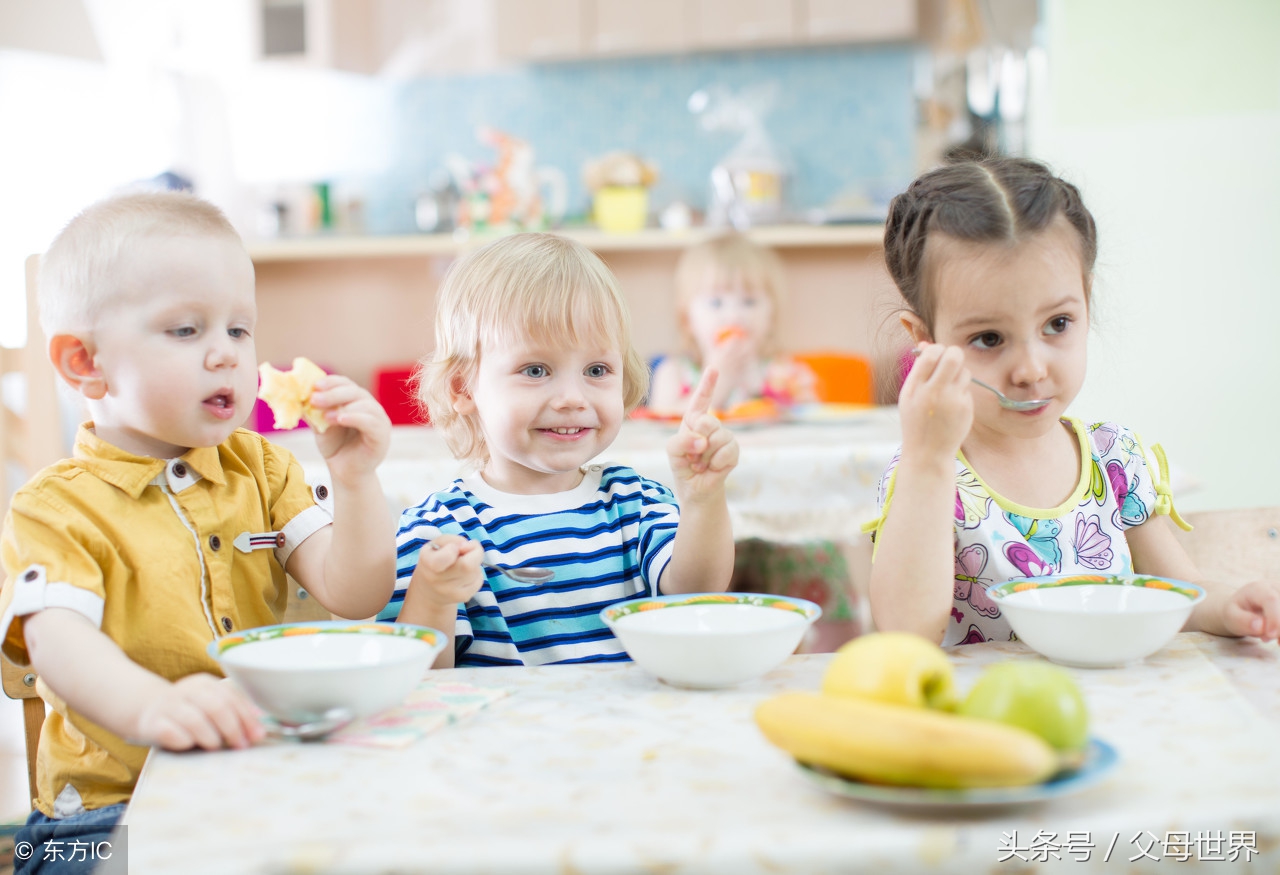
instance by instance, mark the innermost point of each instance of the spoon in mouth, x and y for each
(1002, 399)
(1012, 404)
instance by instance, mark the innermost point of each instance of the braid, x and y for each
(992, 200)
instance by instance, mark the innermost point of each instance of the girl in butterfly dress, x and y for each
(994, 260)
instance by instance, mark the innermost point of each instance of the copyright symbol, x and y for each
(23, 850)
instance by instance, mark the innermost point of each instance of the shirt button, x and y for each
(179, 470)
(226, 623)
(31, 575)
(215, 543)
(322, 492)
(279, 539)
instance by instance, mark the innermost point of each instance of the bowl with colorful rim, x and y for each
(1096, 620)
(709, 640)
(297, 672)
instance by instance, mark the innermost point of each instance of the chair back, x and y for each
(843, 377)
(1236, 545)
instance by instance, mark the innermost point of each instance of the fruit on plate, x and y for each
(1034, 696)
(894, 744)
(898, 668)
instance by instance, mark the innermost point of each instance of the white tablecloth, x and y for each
(794, 482)
(603, 769)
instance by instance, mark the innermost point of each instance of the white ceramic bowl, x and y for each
(710, 640)
(298, 671)
(1095, 620)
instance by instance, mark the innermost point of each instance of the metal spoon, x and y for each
(519, 575)
(1002, 399)
(311, 730)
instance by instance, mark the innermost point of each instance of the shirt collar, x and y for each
(132, 473)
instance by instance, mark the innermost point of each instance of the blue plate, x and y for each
(1099, 760)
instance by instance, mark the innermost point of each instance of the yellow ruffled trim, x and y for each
(1164, 494)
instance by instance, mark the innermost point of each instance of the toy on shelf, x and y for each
(509, 195)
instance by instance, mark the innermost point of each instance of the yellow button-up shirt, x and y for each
(164, 556)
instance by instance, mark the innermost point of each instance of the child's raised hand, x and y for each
(935, 403)
(199, 710)
(1254, 609)
(448, 572)
(360, 430)
(703, 451)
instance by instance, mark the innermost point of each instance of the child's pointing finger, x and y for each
(700, 402)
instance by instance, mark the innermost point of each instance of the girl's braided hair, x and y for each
(992, 200)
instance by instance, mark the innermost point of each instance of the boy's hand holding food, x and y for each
(703, 451)
(358, 444)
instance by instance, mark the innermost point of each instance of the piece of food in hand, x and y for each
(288, 393)
(895, 744)
(730, 333)
(894, 667)
(1035, 696)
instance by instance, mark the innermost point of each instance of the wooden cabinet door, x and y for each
(628, 27)
(540, 30)
(729, 24)
(860, 20)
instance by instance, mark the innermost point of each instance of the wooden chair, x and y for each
(1235, 545)
(843, 377)
(31, 437)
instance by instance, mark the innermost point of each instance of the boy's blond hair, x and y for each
(78, 277)
(730, 258)
(539, 285)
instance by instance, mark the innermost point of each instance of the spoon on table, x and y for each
(1002, 399)
(519, 575)
(311, 730)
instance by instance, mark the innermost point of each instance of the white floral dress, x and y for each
(997, 540)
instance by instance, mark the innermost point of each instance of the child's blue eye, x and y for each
(238, 333)
(987, 340)
(184, 331)
(1058, 324)
(535, 371)
(597, 371)
(715, 303)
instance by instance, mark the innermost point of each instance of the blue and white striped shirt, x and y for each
(608, 540)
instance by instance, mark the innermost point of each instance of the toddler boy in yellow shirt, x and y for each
(171, 526)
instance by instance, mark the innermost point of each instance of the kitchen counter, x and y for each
(285, 249)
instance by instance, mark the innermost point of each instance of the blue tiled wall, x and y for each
(844, 115)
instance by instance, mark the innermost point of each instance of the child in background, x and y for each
(122, 562)
(995, 262)
(532, 375)
(729, 295)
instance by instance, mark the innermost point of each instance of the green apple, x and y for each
(894, 667)
(1036, 696)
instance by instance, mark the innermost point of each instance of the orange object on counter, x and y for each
(843, 377)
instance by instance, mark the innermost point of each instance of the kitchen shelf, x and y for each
(313, 248)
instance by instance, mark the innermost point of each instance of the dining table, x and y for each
(809, 476)
(602, 768)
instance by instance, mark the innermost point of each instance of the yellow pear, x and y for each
(898, 668)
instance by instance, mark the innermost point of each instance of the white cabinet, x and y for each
(735, 24)
(845, 21)
(626, 27)
(334, 34)
(540, 30)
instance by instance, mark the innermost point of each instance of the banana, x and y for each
(896, 744)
